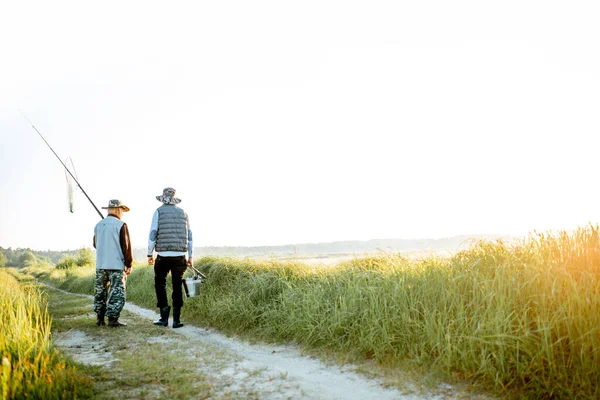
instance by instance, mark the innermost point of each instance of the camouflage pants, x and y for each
(109, 292)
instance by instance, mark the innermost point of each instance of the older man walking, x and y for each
(171, 237)
(113, 264)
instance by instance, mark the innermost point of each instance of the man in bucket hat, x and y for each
(113, 264)
(171, 237)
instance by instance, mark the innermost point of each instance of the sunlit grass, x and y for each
(31, 367)
(522, 319)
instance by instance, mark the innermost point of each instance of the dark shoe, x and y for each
(176, 315)
(164, 316)
(100, 320)
(113, 322)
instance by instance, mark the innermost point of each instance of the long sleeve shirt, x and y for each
(154, 234)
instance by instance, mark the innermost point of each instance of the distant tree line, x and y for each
(62, 259)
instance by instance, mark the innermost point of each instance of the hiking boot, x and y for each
(176, 314)
(113, 322)
(100, 320)
(164, 316)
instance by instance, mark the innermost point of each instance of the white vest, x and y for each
(109, 254)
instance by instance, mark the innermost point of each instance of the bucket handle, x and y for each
(198, 273)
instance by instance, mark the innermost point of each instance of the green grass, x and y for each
(147, 361)
(31, 366)
(138, 370)
(520, 319)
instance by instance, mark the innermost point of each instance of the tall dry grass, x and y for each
(31, 366)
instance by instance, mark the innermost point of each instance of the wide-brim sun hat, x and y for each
(168, 196)
(115, 203)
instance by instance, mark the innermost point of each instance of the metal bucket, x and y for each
(191, 286)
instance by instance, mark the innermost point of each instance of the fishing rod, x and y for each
(63, 164)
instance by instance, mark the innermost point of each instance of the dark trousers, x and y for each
(162, 266)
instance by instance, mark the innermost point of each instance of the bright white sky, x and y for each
(289, 122)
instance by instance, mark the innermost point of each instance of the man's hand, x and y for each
(150, 260)
(127, 270)
(190, 262)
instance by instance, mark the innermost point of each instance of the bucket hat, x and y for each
(168, 196)
(114, 203)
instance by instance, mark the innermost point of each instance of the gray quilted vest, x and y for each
(172, 229)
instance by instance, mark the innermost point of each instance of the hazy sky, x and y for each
(288, 122)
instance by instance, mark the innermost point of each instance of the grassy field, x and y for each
(521, 320)
(31, 366)
(142, 361)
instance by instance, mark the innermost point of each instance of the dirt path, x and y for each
(201, 363)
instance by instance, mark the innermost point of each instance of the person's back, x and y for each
(109, 254)
(113, 263)
(171, 237)
(172, 234)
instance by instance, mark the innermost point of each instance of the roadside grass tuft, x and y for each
(31, 366)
